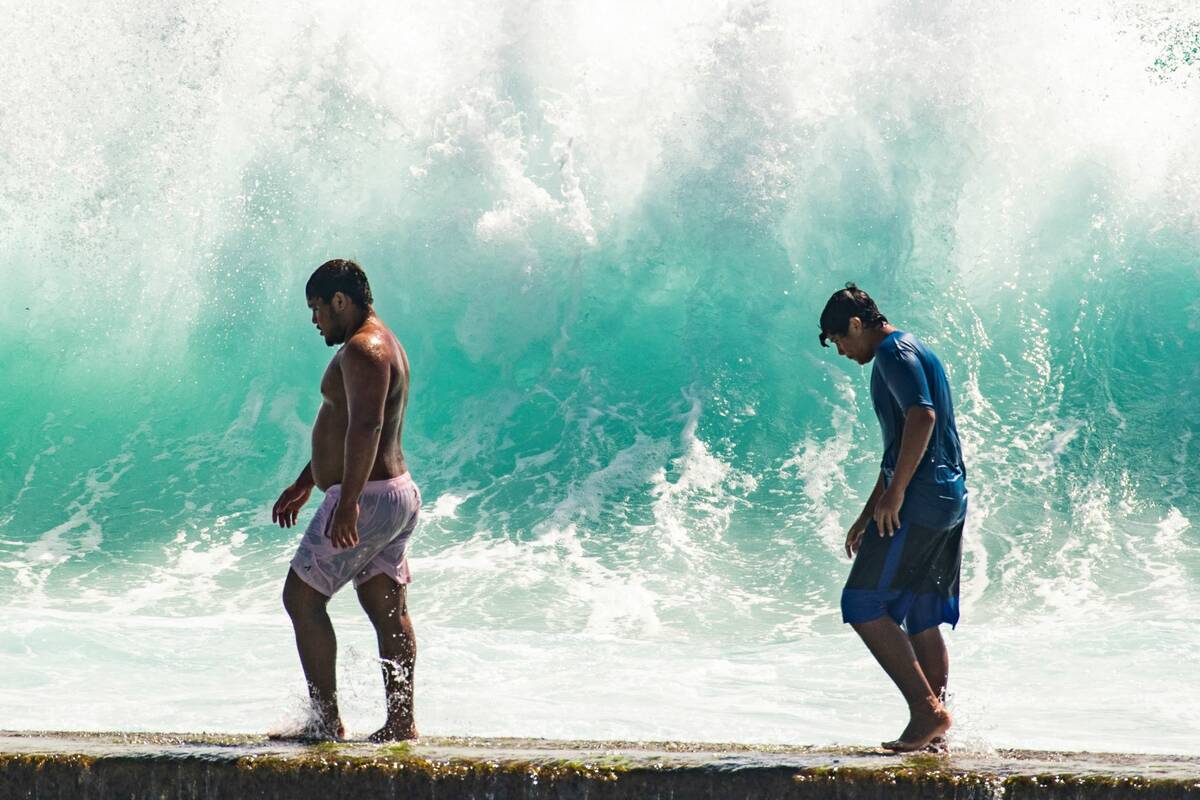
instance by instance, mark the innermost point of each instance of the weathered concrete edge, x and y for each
(327, 773)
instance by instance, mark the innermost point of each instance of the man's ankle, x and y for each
(926, 705)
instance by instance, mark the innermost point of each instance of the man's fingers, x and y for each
(343, 535)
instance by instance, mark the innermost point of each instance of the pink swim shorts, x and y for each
(387, 515)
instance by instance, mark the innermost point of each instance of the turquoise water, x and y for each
(604, 233)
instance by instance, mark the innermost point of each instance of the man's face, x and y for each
(854, 344)
(324, 318)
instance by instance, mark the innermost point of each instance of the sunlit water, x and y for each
(604, 231)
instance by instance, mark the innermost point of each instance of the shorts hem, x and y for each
(857, 618)
(927, 625)
(401, 580)
(308, 579)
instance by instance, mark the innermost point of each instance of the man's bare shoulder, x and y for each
(373, 344)
(372, 350)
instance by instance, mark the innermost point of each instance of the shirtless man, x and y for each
(907, 542)
(362, 527)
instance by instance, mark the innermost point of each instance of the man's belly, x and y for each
(328, 449)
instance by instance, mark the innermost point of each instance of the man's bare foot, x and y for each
(924, 726)
(938, 745)
(394, 732)
(312, 731)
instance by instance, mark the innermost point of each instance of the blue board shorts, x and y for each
(911, 577)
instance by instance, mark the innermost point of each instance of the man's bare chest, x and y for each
(333, 390)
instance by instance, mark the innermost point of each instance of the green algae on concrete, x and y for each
(206, 767)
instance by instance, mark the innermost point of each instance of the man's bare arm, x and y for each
(287, 507)
(859, 527)
(869, 509)
(365, 376)
(918, 428)
(305, 478)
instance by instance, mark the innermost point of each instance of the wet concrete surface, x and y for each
(40, 765)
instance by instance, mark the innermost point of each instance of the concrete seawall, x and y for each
(70, 766)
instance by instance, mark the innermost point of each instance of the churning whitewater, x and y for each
(604, 232)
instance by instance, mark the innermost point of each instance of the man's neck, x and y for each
(879, 334)
(362, 317)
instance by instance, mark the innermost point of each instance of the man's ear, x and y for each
(339, 302)
(854, 326)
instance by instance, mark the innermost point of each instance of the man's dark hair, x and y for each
(844, 304)
(340, 275)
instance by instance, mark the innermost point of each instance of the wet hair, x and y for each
(340, 275)
(844, 304)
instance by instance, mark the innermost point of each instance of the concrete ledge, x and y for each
(71, 766)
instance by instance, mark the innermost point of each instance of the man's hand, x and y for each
(288, 506)
(887, 511)
(855, 535)
(344, 531)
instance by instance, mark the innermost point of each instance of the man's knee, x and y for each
(384, 603)
(301, 601)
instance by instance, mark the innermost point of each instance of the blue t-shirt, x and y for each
(907, 374)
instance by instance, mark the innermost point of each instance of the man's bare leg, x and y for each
(891, 647)
(317, 646)
(934, 659)
(386, 603)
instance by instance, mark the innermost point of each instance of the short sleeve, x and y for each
(905, 378)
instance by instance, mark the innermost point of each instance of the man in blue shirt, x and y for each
(907, 542)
